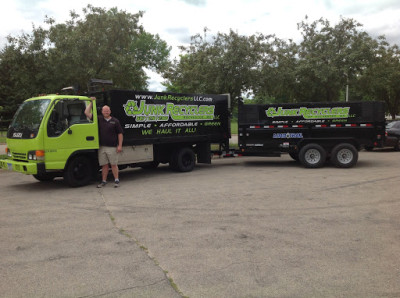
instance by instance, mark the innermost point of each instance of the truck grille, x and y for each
(17, 155)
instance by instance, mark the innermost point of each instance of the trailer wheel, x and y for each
(344, 155)
(312, 156)
(78, 172)
(183, 160)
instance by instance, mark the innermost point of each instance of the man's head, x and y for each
(106, 112)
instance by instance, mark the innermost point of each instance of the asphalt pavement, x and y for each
(240, 227)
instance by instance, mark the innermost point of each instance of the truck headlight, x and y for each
(36, 155)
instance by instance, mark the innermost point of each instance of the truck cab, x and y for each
(50, 137)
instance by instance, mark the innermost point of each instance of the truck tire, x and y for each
(46, 177)
(183, 160)
(312, 156)
(78, 172)
(344, 155)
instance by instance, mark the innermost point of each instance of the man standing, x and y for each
(110, 139)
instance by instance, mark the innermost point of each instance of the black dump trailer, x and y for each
(168, 127)
(311, 132)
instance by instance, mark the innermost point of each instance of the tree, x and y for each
(225, 63)
(381, 79)
(331, 57)
(276, 76)
(107, 44)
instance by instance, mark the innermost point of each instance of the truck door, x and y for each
(68, 130)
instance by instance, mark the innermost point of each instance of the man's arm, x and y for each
(88, 110)
(120, 139)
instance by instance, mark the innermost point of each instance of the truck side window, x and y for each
(65, 114)
(58, 122)
(76, 113)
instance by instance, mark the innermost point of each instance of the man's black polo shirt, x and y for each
(108, 131)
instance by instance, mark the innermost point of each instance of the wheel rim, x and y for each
(80, 170)
(187, 160)
(313, 156)
(345, 156)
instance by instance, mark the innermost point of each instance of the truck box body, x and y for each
(157, 118)
(269, 129)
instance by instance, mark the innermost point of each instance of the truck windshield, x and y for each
(27, 119)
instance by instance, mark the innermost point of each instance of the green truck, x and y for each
(51, 137)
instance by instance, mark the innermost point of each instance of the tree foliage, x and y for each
(109, 44)
(224, 63)
(330, 57)
(318, 68)
(381, 79)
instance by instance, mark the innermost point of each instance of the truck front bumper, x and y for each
(28, 168)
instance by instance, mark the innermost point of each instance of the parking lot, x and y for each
(240, 227)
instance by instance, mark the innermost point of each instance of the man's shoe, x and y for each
(102, 184)
(116, 183)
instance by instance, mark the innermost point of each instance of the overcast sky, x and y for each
(177, 20)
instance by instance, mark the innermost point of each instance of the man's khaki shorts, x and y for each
(108, 155)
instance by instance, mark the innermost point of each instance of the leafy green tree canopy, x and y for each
(108, 44)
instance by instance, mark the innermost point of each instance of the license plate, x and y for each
(9, 166)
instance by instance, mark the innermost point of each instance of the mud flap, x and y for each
(203, 151)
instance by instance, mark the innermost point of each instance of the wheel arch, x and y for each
(91, 154)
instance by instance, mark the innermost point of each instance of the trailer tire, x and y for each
(344, 155)
(79, 171)
(183, 160)
(312, 156)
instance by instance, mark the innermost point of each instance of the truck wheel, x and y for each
(312, 156)
(344, 155)
(183, 160)
(79, 171)
(44, 177)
